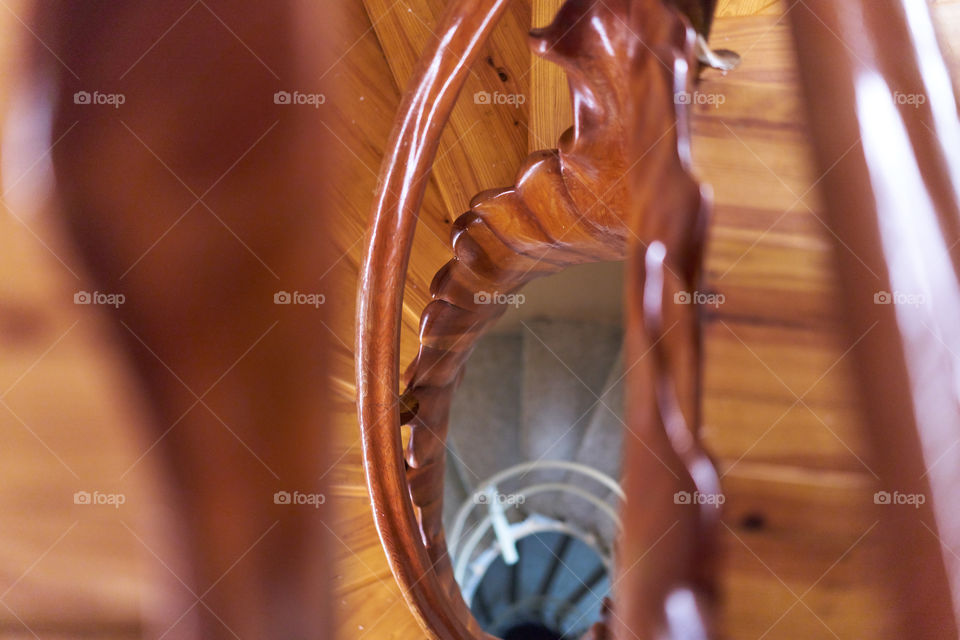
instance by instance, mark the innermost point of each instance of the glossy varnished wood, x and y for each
(567, 207)
(434, 87)
(191, 202)
(799, 495)
(887, 132)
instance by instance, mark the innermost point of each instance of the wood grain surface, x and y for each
(799, 555)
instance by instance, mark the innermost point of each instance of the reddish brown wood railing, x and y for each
(884, 112)
(155, 196)
(426, 106)
(620, 179)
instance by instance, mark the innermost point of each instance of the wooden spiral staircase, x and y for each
(620, 188)
(622, 184)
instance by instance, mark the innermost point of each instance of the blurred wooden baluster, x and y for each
(887, 138)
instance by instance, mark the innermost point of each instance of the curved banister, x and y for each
(436, 83)
(626, 61)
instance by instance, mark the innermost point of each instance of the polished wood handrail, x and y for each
(154, 197)
(436, 82)
(627, 62)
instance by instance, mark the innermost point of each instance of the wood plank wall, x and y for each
(799, 543)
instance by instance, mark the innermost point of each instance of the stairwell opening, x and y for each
(533, 459)
(555, 591)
